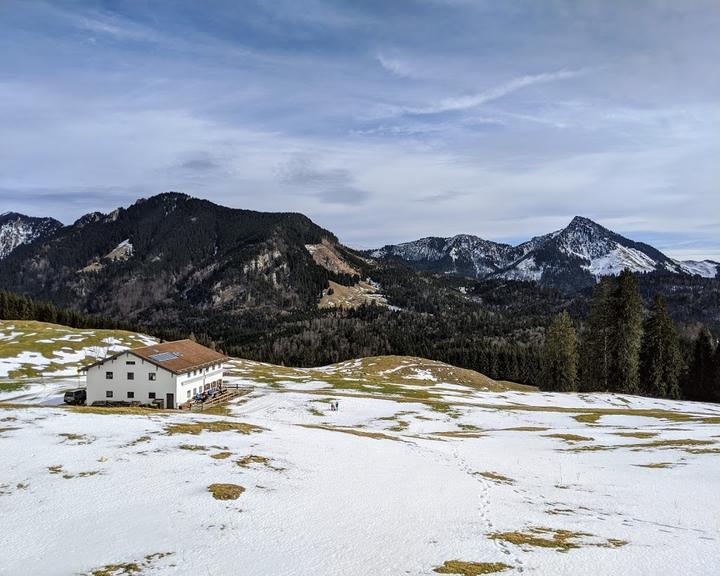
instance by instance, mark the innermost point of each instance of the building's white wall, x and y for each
(97, 384)
(183, 386)
(198, 380)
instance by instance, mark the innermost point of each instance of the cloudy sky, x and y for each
(382, 120)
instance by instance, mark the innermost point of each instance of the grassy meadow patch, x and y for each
(561, 540)
(471, 568)
(196, 428)
(225, 491)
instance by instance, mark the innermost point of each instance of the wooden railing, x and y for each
(227, 394)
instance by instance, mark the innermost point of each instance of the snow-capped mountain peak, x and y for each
(574, 256)
(18, 229)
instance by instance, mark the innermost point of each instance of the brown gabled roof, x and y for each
(178, 357)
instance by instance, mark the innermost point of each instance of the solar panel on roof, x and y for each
(164, 356)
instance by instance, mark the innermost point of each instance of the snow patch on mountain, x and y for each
(18, 229)
(619, 258)
(526, 269)
(704, 268)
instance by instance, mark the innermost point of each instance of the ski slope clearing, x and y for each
(36, 355)
(417, 473)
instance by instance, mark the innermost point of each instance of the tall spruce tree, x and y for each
(626, 336)
(661, 362)
(595, 349)
(700, 381)
(560, 359)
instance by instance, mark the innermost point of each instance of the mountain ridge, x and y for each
(171, 255)
(172, 252)
(572, 257)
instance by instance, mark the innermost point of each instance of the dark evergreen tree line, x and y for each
(624, 349)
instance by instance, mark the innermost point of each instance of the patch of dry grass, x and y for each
(678, 443)
(221, 455)
(115, 410)
(58, 469)
(681, 443)
(353, 431)
(122, 569)
(560, 511)
(254, 459)
(561, 540)
(218, 410)
(193, 447)
(139, 440)
(702, 450)
(495, 477)
(458, 434)
(195, 428)
(640, 435)
(525, 429)
(470, 568)
(588, 418)
(77, 438)
(128, 568)
(225, 491)
(569, 437)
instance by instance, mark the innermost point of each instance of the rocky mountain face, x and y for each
(172, 255)
(18, 229)
(571, 258)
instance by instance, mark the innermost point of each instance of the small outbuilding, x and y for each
(166, 374)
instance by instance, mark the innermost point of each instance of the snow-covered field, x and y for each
(392, 483)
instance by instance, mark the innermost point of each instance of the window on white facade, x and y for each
(152, 376)
(130, 362)
(131, 394)
(108, 393)
(151, 395)
(131, 376)
(108, 375)
(188, 393)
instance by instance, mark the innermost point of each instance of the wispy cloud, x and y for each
(444, 196)
(457, 103)
(395, 66)
(330, 185)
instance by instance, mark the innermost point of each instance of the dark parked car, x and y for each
(75, 396)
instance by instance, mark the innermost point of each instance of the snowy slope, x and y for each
(704, 268)
(18, 229)
(389, 484)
